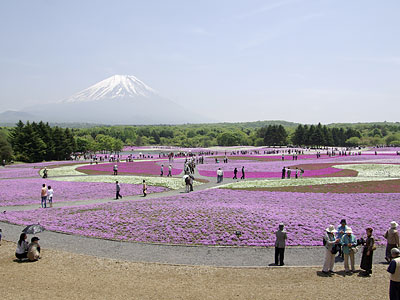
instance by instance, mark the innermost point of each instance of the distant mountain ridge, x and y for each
(117, 100)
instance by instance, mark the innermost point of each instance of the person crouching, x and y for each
(34, 249)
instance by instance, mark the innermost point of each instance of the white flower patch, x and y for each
(296, 182)
(170, 182)
(373, 170)
(64, 171)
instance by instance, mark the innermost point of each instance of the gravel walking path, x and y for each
(179, 255)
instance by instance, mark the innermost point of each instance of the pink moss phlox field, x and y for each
(27, 191)
(137, 167)
(40, 165)
(18, 172)
(212, 217)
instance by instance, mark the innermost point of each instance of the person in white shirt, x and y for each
(22, 247)
(50, 193)
(220, 175)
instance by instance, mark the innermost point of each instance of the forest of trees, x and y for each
(33, 142)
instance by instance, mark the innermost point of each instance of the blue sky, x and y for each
(297, 60)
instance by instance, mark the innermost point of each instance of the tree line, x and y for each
(33, 142)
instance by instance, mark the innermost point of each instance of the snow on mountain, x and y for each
(117, 86)
(119, 99)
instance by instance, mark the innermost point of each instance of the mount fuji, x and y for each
(119, 99)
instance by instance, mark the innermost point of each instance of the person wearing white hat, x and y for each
(394, 270)
(349, 242)
(392, 238)
(330, 242)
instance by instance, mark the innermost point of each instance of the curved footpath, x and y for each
(171, 254)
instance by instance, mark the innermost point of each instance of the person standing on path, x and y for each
(115, 169)
(349, 242)
(243, 177)
(280, 244)
(288, 172)
(169, 171)
(340, 232)
(392, 237)
(394, 270)
(144, 187)
(43, 194)
(45, 172)
(368, 250)
(220, 175)
(50, 193)
(162, 171)
(283, 173)
(191, 179)
(235, 171)
(330, 242)
(118, 190)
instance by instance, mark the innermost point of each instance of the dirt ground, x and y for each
(62, 275)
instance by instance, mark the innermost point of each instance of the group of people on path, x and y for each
(46, 194)
(287, 173)
(343, 242)
(169, 171)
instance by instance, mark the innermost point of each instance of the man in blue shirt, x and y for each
(394, 270)
(340, 232)
(348, 242)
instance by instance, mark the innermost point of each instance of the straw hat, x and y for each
(393, 225)
(331, 229)
(348, 230)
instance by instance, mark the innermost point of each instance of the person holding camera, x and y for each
(349, 243)
(330, 243)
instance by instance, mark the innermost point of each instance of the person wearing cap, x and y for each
(330, 241)
(340, 232)
(392, 238)
(394, 270)
(34, 249)
(368, 251)
(348, 242)
(280, 244)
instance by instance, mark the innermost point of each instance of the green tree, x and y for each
(6, 152)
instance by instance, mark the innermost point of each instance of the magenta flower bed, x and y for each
(307, 173)
(141, 167)
(212, 217)
(27, 191)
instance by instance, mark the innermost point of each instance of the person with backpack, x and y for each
(330, 242)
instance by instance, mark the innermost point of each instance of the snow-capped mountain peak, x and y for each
(117, 86)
